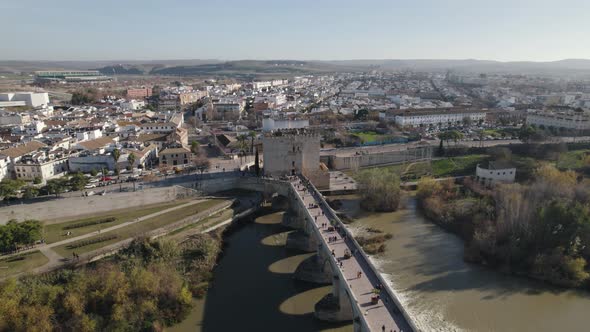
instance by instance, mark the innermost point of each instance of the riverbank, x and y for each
(425, 267)
(252, 286)
(538, 229)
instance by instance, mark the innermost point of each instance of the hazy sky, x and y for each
(538, 30)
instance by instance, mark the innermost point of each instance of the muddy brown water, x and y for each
(254, 291)
(424, 264)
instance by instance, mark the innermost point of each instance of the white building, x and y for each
(261, 85)
(437, 117)
(12, 118)
(35, 128)
(89, 135)
(159, 127)
(228, 109)
(277, 100)
(270, 124)
(87, 162)
(133, 105)
(279, 82)
(45, 169)
(497, 172)
(4, 162)
(560, 118)
(31, 99)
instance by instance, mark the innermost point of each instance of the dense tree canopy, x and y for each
(541, 228)
(379, 189)
(9, 187)
(144, 288)
(15, 234)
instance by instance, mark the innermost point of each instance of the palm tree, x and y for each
(131, 160)
(195, 147)
(257, 164)
(116, 155)
(252, 135)
(242, 144)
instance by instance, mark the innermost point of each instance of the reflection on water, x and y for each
(425, 265)
(253, 288)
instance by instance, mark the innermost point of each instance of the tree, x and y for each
(257, 164)
(467, 121)
(14, 233)
(82, 97)
(56, 186)
(9, 187)
(37, 180)
(379, 190)
(131, 159)
(242, 145)
(456, 135)
(28, 232)
(30, 192)
(93, 172)
(195, 147)
(361, 114)
(116, 155)
(526, 132)
(500, 153)
(78, 181)
(427, 187)
(201, 163)
(252, 135)
(444, 137)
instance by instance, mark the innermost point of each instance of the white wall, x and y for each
(33, 99)
(269, 124)
(495, 175)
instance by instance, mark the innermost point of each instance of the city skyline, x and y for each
(327, 30)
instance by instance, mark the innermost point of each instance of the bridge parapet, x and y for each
(387, 294)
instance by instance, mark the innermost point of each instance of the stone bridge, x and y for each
(339, 259)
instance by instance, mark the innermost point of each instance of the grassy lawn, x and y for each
(396, 168)
(140, 227)
(416, 171)
(572, 159)
(21, 263)
(457, 166)
(454, 166)
(370, 136)
(491, 132)
(215, 219)
(55, 232)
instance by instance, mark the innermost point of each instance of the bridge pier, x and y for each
(336, 306)
(291, 219)
(316, 269)
(300, 240)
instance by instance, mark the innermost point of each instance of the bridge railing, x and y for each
(390, 293)
(359, 317)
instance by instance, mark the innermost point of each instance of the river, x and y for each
(253, 288)
(424, 265)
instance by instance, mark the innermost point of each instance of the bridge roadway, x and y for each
(386, 312)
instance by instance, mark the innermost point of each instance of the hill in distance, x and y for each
(272, 68)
